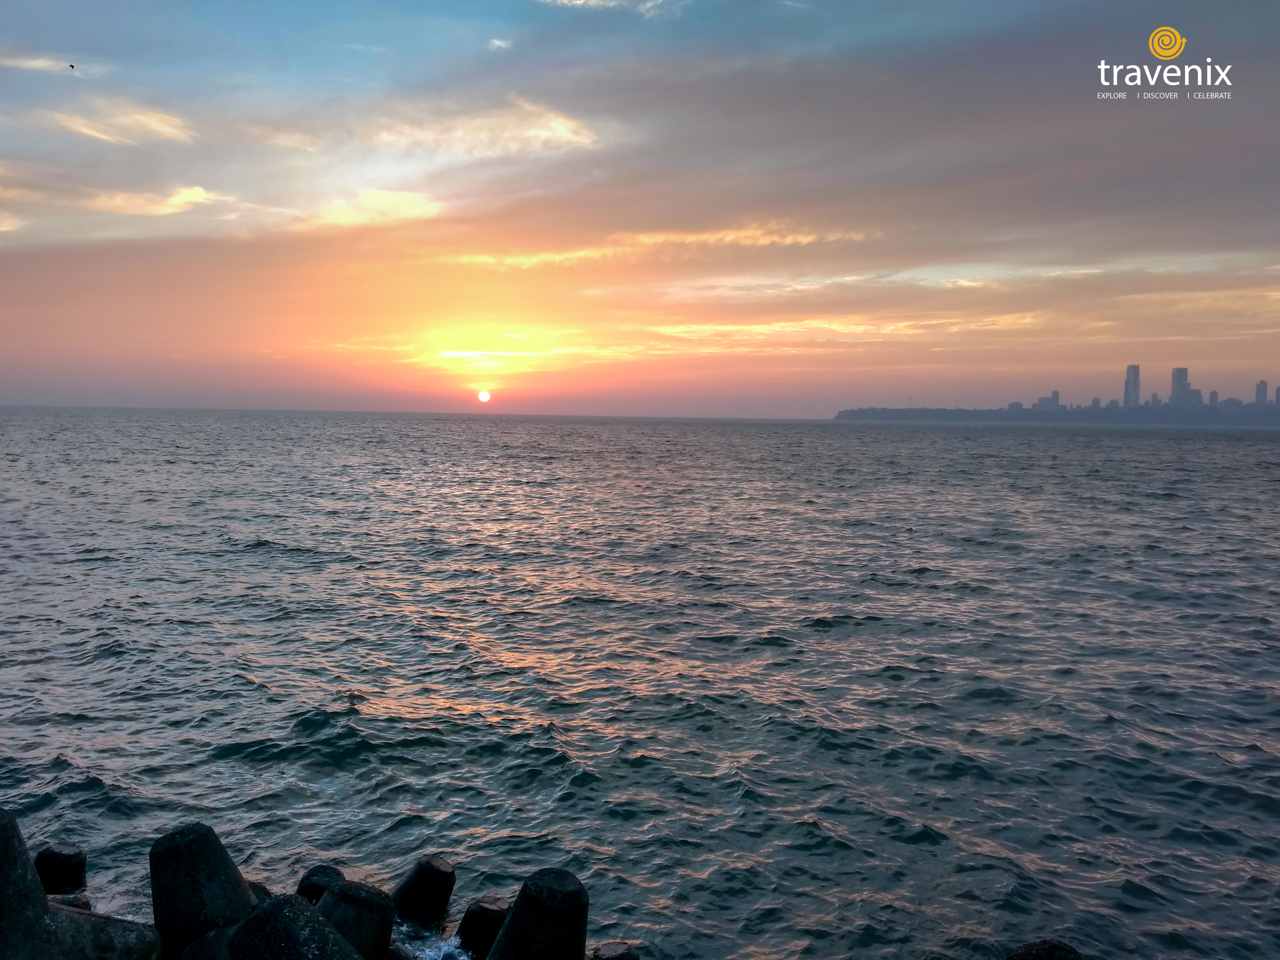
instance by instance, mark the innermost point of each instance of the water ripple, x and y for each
(770, 689)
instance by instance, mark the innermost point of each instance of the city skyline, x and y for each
(1182, 393)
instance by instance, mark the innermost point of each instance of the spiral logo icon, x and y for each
(1166, 43)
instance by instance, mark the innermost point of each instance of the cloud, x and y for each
(86, 128)
(20, 194)
(818, 333)
(757, 235)
(287, 139)
(51, 64)
(180, 200)
(372, 206)
(753, 235)
(125, 123)
(9, 223)
(647, 8)
(528, 261)
(41, 64)
(496, 43)
(522, 127)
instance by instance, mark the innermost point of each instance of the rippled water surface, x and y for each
(771, 690)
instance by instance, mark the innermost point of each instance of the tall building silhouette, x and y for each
(1181, 393)
(1133, 386)
(1278, 396)
(1180, 387)
(1260, 393)
(1052, 401)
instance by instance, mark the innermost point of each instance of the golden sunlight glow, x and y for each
(484, 396)
(371, 206)
(486, 350)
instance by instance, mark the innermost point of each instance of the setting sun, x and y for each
(483, 396)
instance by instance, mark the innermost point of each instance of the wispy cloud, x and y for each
(41, 63)
(125, 123)
(771, 234)
(9, 222)
(646, 8)
(371, 206)
(75, 123)
(20, 194)
(522, 127)
(815, 330)
(287, 139)
(180, 200)
(753, 235)
(497, 43)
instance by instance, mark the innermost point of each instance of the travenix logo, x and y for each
(1166, 43)
(1154, 80)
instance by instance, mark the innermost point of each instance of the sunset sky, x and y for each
(693, 207)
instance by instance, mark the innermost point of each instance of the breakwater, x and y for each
(205, 909)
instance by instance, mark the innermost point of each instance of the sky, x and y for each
(638, 207)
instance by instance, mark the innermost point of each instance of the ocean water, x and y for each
(770, 690)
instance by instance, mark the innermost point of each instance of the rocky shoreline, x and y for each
(204, 909)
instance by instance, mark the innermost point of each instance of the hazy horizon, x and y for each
(622, 207)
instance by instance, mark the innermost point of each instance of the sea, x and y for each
(770, 689)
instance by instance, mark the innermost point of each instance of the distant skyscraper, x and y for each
(1180, 387)
(1260, 393)
(1278, 396)
(1051, 402)
(1133, 386)
(1213, 398)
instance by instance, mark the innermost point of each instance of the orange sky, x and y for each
(625, 210)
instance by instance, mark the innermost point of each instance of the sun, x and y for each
(483, 396)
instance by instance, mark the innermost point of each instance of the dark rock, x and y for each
(82, 935)
(398, 952)
(1046, 950)
(547, 921)
(25, 933)
(315, 883)
(480, 925)
(288, 928)
(364, 915)
(61, 868)
(615, 950)
(423, 896)
(260, 891)
(195, 887)
(76, 901)
(212, 946)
